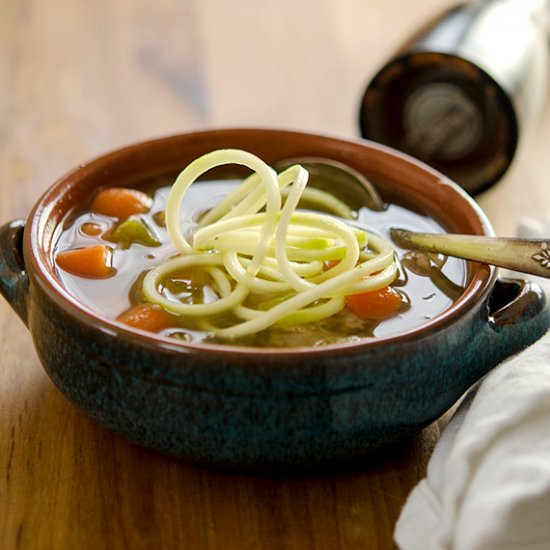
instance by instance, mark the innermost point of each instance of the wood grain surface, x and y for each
(80, 77)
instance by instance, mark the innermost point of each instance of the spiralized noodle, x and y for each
(268, 262)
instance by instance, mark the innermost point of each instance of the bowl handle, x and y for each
(14, 281)
(518, 315)
(515, 301)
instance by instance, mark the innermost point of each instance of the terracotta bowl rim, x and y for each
(40, 273)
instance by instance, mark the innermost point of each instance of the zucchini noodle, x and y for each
(266, 261)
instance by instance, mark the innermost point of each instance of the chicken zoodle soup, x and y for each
(267, 261)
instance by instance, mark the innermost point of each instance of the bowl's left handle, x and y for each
(14, 281)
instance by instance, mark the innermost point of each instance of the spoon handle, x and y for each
(524, 255)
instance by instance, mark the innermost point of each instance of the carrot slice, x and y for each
(120, 202)
(376, 304)
(148, 317)
(91, 261)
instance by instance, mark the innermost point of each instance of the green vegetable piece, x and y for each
(134, 230)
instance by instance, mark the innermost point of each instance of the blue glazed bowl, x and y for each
(252, 408)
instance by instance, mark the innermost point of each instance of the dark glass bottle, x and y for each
(459, 92)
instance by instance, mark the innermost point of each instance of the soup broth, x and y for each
(427, 285)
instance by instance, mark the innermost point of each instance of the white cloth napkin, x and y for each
(488, 480)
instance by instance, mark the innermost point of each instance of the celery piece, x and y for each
(134, 230)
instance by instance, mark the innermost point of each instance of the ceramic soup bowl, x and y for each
(254, 408)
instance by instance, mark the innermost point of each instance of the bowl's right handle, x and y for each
(515, 301)
(14, 281)
(518, 313)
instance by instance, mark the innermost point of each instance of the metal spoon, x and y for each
(339, 179)
(522, 255)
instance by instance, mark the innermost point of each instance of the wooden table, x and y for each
(78, 78)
